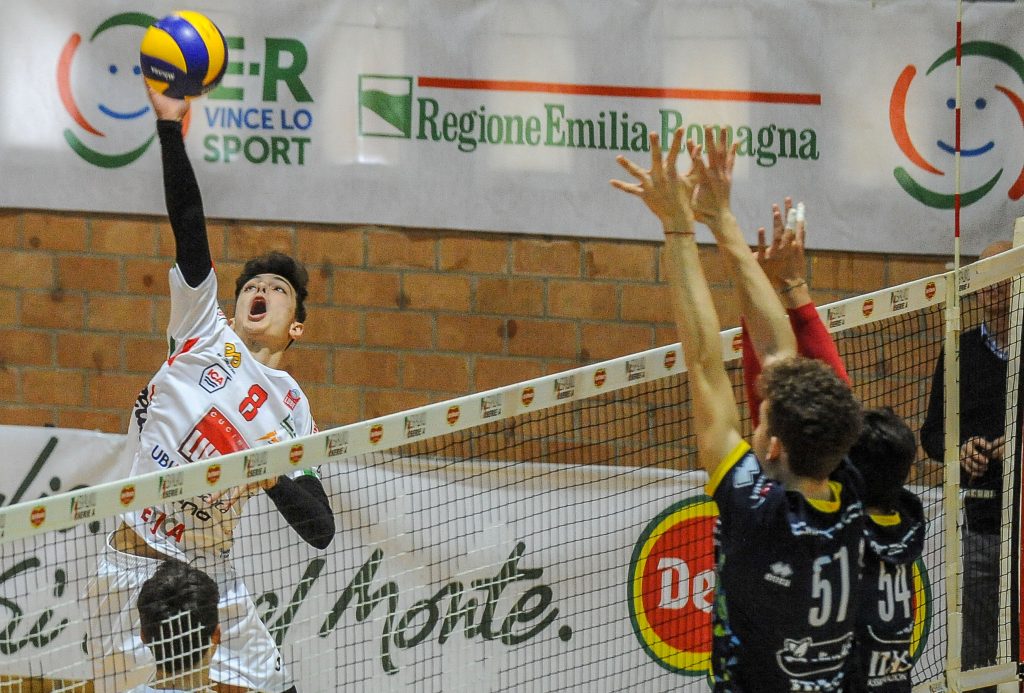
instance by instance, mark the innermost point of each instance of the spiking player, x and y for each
(883, 454)
(790, 533)
(220, 390)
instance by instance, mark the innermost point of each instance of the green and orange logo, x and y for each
(103, 75)
(945, 150)
(672, 586)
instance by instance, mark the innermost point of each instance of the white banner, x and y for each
(449, 576)
(507, 115)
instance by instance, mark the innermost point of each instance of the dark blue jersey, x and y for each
(788, 571)
(885, 620)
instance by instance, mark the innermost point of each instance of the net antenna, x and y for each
(951, 378)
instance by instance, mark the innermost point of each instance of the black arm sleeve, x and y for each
(933, 431)
(304, 504)
(184, 205)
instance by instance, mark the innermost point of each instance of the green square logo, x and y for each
(385, 106)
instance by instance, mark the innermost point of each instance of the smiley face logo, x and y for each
(943, 149)
(109, 75)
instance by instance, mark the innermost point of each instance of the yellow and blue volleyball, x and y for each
(183, 54)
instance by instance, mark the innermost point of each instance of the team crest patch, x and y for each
(214, 378)
(292, 398)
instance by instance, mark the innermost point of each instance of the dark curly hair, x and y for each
(178, 612)
(282, 265)
(812, 412)
(883, 453)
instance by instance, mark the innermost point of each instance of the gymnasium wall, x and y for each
(397, 317)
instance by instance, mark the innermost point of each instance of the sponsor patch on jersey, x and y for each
(214, 378)
(292, 398)
(213, 435)
(232, 356)
(805, 658)
(780, 574)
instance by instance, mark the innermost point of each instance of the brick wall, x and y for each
(398, 317)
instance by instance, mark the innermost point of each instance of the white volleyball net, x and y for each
(549, 535)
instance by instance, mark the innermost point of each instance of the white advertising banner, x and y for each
(507, 115)
(466, 576)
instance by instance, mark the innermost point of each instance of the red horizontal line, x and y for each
(635, 92)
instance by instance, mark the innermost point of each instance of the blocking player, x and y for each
(178, 619)
(790, 532)
(220, 390)
(883, 454)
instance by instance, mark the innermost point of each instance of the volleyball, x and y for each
(184, 54)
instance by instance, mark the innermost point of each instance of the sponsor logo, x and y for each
(737, 342)
(337, 444)
(376, 433)
(415, 425)
(836, 316)
(83, 506)
(868, 307)
(805, 658)
(292, 398)
(600, 376)
(929, 290)
(232, 356)
(213, 474)
(158, 521)
(672, 584)
(938, 159)
(214, 378)
(161, 457)
(964, 280)
(261, 114)
(490, 406)
(255, 464)
(899, 299)
(445, 111)
(37, 516)
(213, 435)
(127, 494)
(171, 485)
(780, 574)
(453, 414)
(527, 396)
(636, 369)
(296, 453)
(565, 387)
(670, 359)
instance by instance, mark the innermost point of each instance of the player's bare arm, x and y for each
(767, 323)
(668, 196)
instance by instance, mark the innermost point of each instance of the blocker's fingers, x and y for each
(631, 167)
(656, 167)
(673, 150)
(777, 225)
(760, 243)
(631, 188)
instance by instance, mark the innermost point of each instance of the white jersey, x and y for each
(209, 398)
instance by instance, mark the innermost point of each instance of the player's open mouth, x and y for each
(258, 308)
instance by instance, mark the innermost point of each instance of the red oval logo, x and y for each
(376, 433)
(670, 359)
(38, 516)
(527, 396)
(127, 494)
(929, 290)
(296, 453)
(737, 342)
(600, 376)
(212, 474)
(453, 414)
(868, 308)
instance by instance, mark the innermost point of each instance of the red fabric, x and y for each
(812, 340)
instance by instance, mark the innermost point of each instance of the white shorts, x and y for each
(247, 655)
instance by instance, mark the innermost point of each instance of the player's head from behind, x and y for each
(178, 611)
(883, 453)
(270, 301)
(809, 419)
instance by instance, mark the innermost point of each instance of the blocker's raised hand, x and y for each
(666, 193)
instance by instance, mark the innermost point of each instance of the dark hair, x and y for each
(883, 453)
(178, 610)
(283, 265)
(812, 412)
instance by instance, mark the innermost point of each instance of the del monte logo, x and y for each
(979, 144)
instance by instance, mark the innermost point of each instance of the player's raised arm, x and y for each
(784, 264)
(181, 191)
(668, 196)
(766, 319)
